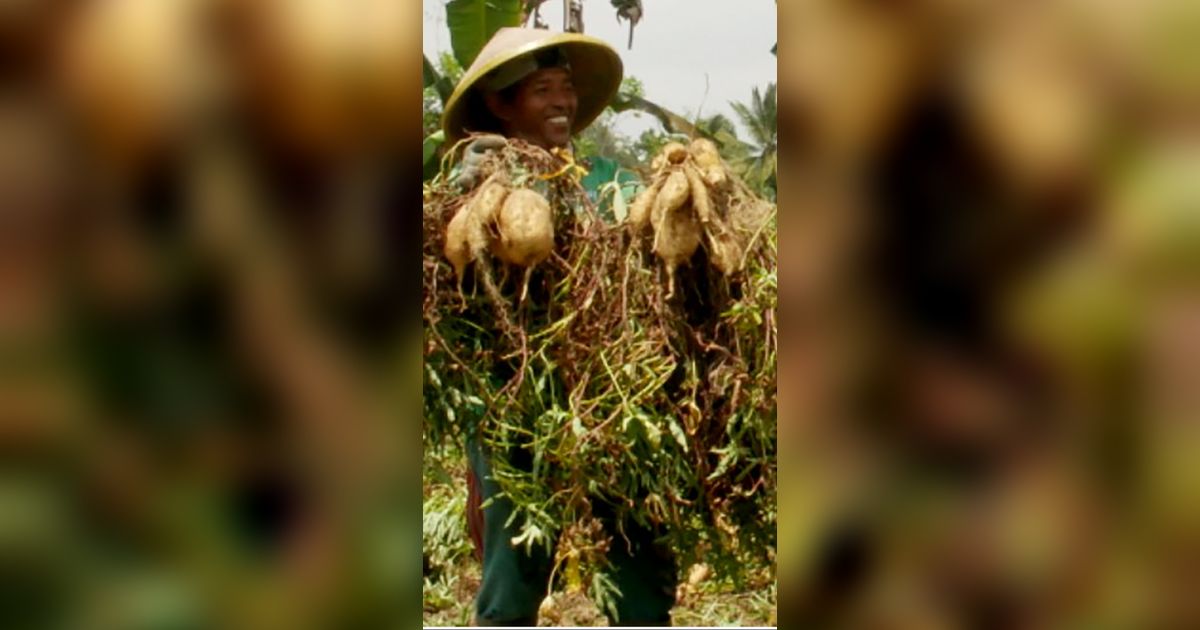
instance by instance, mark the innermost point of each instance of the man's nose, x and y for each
(560, 99)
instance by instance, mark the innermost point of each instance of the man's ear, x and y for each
(497, 106)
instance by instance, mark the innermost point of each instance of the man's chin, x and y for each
(559, 135)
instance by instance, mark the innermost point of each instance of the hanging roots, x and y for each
(549, 332)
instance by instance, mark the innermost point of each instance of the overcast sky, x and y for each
(674, 46)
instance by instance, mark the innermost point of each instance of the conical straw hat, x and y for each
(595, 65)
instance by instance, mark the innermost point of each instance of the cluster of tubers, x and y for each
(680, 205)
(690, 201)
(516, 225)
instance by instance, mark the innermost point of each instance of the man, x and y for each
(543, 88)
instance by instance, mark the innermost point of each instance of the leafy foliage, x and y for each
(649, 144)
(448, 73)
(473, 22)
(602, 140)
(451, 573)
(724, 133)
(633, 86)
(759, 117)
(661, 410)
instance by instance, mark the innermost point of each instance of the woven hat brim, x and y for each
(596, 67)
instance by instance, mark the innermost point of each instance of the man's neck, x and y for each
(569, 146)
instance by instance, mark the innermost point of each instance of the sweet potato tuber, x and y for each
(676, 153)
(676, 236)
(526, 228)
(458, 248)
(674, 192)
(639, 210)
(466, 233)
(704, 152)
(700, 198)
(676, 231)
(708, 161)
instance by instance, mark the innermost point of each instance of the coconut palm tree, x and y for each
(758, 168)
(720, 129)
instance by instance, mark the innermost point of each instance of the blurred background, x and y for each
(991, 318)
(991, 314)
(209, 346)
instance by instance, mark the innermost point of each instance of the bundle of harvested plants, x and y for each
(589, 375)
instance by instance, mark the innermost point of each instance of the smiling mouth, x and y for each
(557, 120)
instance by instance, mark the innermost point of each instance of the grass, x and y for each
(452, 573)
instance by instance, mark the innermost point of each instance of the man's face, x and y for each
(543, 109)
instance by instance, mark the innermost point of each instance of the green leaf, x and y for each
(677, 433)
(728, 456)
(653, 433)
(531, 535)
(619, 209)
(473, 22)
(431, 145)
(429, 154)
(605, 592)
(609, 186)
(435, 80)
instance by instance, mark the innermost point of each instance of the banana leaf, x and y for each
(473, 22)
